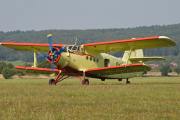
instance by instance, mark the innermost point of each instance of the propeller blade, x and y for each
(50, 41)
(61, 50)
(54, 53)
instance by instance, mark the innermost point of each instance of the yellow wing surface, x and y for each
(43, 47)
(100, 47)
(45, 70)
(128, 68)
(129, 44)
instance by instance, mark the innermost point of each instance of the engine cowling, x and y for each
(54, 55)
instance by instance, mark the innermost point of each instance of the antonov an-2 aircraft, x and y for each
(92, 60)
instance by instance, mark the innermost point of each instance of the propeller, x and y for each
(54, 53)
(50, 41)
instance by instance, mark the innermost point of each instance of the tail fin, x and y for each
(137, 56)
(132, 54)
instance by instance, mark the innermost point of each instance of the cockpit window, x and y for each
(70, 47)
(73, 48)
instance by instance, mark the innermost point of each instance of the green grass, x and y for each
(148, 98)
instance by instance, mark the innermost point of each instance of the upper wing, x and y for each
(129, 44)
(128, 68)
(44, 47)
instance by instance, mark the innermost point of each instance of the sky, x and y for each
(86, 14)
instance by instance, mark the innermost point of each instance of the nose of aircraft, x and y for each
(54, 54)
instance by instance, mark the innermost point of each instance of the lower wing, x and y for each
(45, 70)
(128, 68)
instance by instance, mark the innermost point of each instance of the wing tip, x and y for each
(171, 42)
(164, 37)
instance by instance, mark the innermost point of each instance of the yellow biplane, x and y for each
(92, 59)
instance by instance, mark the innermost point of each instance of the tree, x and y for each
(165, 69)
(8, 72)
(177, 70)
(44, 64)
(2, 65)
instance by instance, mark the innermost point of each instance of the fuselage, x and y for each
(82, 62)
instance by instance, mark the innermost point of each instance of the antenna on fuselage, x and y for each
(77, 41)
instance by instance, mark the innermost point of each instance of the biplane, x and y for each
(93, 60)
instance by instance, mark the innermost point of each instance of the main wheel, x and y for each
(120, 79)
(127, 81)
(102, 79)
(85, 82)
(52, 82)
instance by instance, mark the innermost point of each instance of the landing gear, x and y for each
(58, 78)
(124, 81)
(85, 82)
(52, 82)
(120, 79)
(102, 79)
(127, 81)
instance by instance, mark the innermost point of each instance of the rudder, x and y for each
(138, 53)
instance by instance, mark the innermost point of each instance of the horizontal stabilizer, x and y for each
(145, 59)
(45, 70)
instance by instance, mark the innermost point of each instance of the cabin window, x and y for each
(65, 49)
(69, 47)
(86, 57)
(90, 58)
(94, 59)
(106, 62)
(74, 48)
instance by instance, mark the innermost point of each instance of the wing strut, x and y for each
(35, 58)
(129, 56)
(84, 81)
(60, 77)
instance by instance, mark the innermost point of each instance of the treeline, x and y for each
(87, 36)
(8, 70)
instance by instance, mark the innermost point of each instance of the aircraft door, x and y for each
(106, 62)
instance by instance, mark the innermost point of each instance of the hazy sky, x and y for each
(86, 14)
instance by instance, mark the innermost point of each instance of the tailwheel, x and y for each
(120, 79)
(102, 79)
(85, 82)
(52, 82)
(127, 81)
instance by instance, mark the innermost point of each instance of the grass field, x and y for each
(148, 98)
